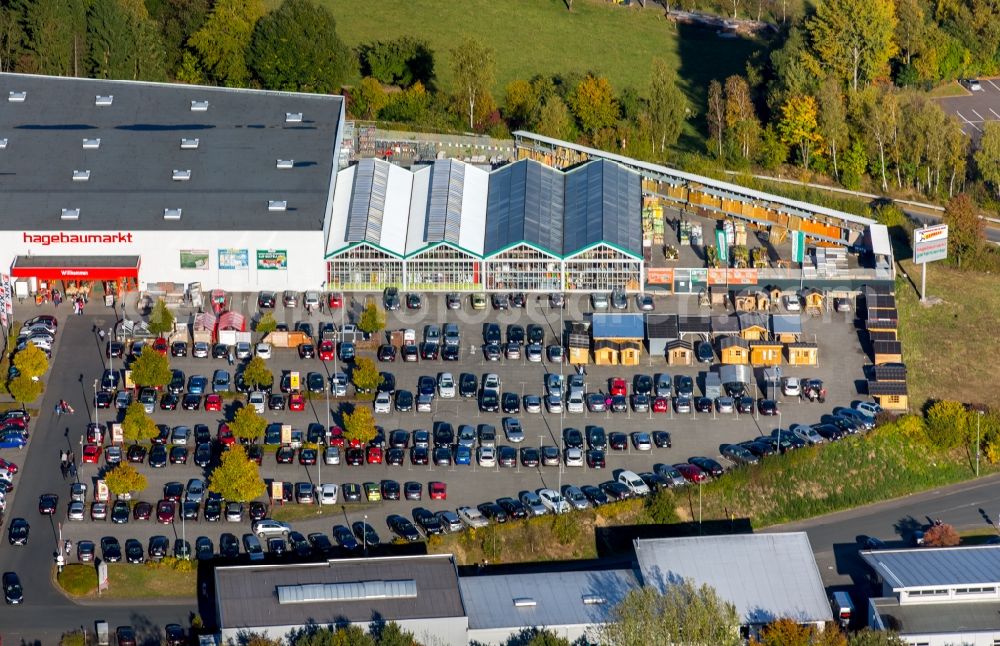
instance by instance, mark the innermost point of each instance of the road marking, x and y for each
(993, 84)
(977, 114)
(962, 117)
(995, 113)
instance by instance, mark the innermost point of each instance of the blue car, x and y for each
(463, 455)
(347, 351)
(197, 384)
(13, 440)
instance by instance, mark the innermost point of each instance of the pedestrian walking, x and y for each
(101, 333)
(64, 470)
(72, 469)
(230, 357)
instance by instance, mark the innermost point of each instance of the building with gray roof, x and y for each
(766, 576)
(227, 187)
(937, 596)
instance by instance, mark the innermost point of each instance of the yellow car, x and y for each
(373, 492)
(478, 301)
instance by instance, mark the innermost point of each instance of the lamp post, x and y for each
(95, 403)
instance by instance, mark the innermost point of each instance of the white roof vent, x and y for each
(286, 163)
(81, 175)
(172, 214)
(190, 144)
(524, 602)
(181, 175)
(199, 106)
(593, 600)
(91, 144)
(70, 214)
(103, 100)
(293, 117)
(3, 143)
(277, 205)
(17, 97)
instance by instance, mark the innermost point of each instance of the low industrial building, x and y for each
(937, 596)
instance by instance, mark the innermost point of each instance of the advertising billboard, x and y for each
(234, 258)
(194, 258)
(930, 243)
(272, 259)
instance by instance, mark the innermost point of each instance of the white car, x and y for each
(491, 382)
(872, 409)
(263, 350)
(791, 387)
(642, 441)
(200, 350)
(554, 501)
(806, 433)
(242, 350)
(533, 352)
(532, 404)
(574, 403)
(599, 301)
(269, 527)
(446, 385)
(383, 403)
(534, 504)
(791, 302)
(635, 484)
(573, 457)
(328, 493)
(258, 400)
(472, 517)
(486, 456)
(311, 301)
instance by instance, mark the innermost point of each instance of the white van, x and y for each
(843, 608)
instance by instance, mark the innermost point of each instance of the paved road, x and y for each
(46, 613)
(967, 506)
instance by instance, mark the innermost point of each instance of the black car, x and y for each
(492, 352)
(158, 546)
(511, 403)
(619, 404)
(403, 528)
(500, 301)
(169, 401)
(104, 399)
(320, 544)
(307, 351)
(386, 352)
(530, 457)
(744, 405)
(572, 438)
(493, 512)
(191, 402)
(419, 455)
(468, 385)
(158, 456)
(115, 349)
(685, 385)
(767, 406)
(444, 434)
(178, 455)
(394, 457)
(413, 301)
(708, 465)
(276, 402)
(703, 404)
(429, 352)
(739, 454)
(120, 512)
(298, 544)
(265, 300)
(595, 459)
(175, 635)
(662, 439)
(515, 334)
(179, 349)
(829, 432)
(111, 549)
(489, 402)
(134, 552)
(410, 352)
(13, 593)
(189, 510)
(258, 510)
(442, 456)
(136, 453)
(213, 510)
(203, 455)
(390, 490)
(642, 384)
(345, 539)
(450, 353)
(426, 520)
(653, 481)
(220, 351)
(404, 401)
(597, 438)
(703, 351)
(594, 495)
(514, 509)
(507, 456)
(365, 533)
(229, 546)
(759, 448)
(615, 490)
(47, 504)
(17, 533)
(618, 441)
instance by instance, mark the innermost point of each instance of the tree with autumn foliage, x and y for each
(966, 230)
(941, 535)
(593, 103)
(799, 126)
(788, 632)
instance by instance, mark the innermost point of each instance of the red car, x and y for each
(691, 473)
(165, 511)
(618, 387)
(225, 435)
(374, 455)
(213, 403)
(335, 300)
(8, 466)
(296, 402)
(91, 453)
(661, 405)
(161, 346)
(336, 436)
(438, 490)
(326, 350)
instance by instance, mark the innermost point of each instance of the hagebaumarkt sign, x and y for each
(930, 243)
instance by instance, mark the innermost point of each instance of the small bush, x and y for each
(943, 535)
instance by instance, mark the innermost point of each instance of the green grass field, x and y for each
(534, 37)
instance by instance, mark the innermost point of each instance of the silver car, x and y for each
(534, 504)
(532, 404)
(450, 521)
(575, 497)
(331, 455)
(599, 301)
(512, 429)
(644, 302)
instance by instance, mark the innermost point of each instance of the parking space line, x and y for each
(977, 114)
(993, 84)
(995, 113)
(962, 117)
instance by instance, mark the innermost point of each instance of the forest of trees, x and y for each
(839, 90)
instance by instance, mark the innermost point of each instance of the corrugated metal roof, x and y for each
(936, 567)
(379, 209)
(766, 576)
(444, 210)
(954, 618)
(525, 204)
(603, 204)
(618, 326)
(699, 179)
(786, 324)
(570, 598)
(878, 235)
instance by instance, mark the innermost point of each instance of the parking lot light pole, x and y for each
(95, 403)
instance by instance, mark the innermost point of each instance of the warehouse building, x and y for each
(115, 185)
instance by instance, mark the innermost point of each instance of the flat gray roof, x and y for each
(248, 595)
(766, 576)
(938, 618)
(234, 173)
(550, 599)
(937, 567)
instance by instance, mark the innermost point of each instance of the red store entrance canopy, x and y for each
(76, 267)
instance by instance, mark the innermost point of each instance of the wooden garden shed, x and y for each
(887, 352)
(889, 387)
(605, 353)
(763, 300)
(578, 342)
(717, 294)
(753, 326)
(734, 350)
(629, 353)
(775, 293)
(680, 353)
(745, 300)
(786, 328)
(801, 353)
(725, 326)
(765, 353)
(881, 325)
(617, 338)
(813, 298)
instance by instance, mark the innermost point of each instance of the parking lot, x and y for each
(977, 108)
(694, 434)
